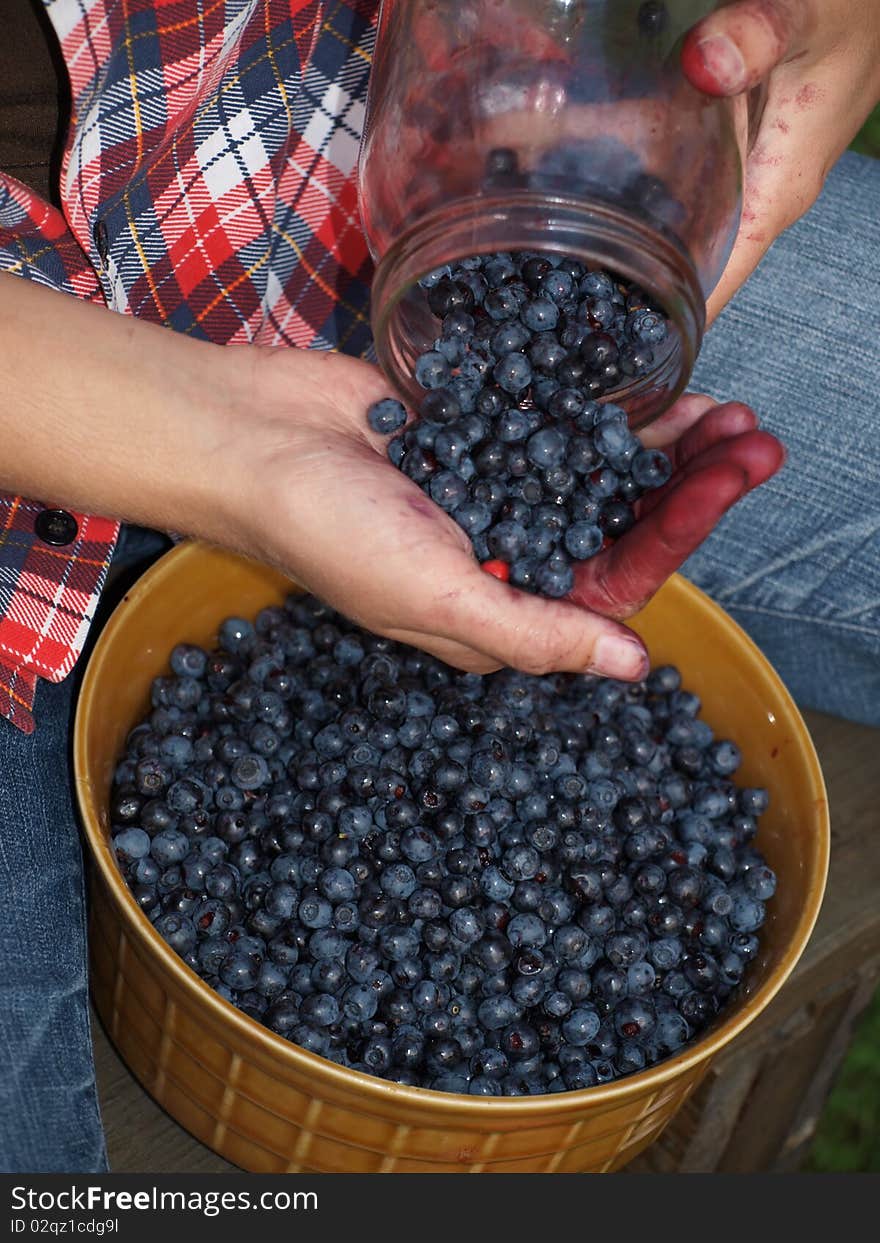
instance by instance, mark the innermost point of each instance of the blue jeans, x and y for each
(49, 1117)
(797, 564)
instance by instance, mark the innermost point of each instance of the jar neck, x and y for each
(600, 235)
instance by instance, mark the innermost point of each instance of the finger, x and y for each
(532, 633)
(348, 386)
(757, 454)
(624, 578)
(733, 49)
(429, 590)
(718, 424)
(671, 425)
(459, 655)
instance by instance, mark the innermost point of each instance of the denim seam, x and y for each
(84, 1010)
(813, 620)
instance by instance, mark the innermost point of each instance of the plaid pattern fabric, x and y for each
(209, 185)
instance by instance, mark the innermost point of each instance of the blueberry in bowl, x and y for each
(490, 916)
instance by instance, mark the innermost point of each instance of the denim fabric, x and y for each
(49, 1119)
(798, 562)
(48, 1106)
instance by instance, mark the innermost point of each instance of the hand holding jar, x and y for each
(819, 61)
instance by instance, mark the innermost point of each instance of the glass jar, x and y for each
(547, 125)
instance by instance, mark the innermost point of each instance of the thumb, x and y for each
(732, 50)
(534, 634)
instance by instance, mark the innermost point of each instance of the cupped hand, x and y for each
(819, 61)
(718, 455)
(317, 497)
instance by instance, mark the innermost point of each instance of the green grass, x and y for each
(867, 141)
(848, 1137)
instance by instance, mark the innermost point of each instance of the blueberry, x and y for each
(396, 451)
(502, 303)
(753, 801)
(635, 360)
(496, 1013)
(458, 325)
(543, 390)
(309, 1038)
(759, 883)
(178, 930)
(604, 483)
(449, 1082)
(541, 542)
(507, 540)
(452, 349)
(581, 1025)
(432, 370)
(652, 17)
(747, 914)
(598, 349)
(651, 468)
(616, 519)
(514, 426)
(617, 444)
(545, 353)
(597, 285)
(583, 540)
(556, 284)
(152, 776)
(510, 336)
(448, 490)
(430, 279)
(249, 772)
(187, 660)
(131, 845)
(319, 1010)
(386, 416)
(540, 314)
(546, 448)
(446, 296)
(502, 162)
(169, 846)
(513, 372)
(574, 371)
(450, 446)
(527, 930)
(440, 405)
(634, 1018)
(555, 577)
(240, 969)
(647, 327)
(724, 757)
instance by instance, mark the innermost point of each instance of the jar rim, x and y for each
(595, 232)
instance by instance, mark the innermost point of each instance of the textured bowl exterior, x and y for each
(267, 1105)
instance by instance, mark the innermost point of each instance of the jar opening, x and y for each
(598, 234)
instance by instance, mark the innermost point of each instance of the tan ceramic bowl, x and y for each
(267, 1105)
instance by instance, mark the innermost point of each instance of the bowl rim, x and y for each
(342, 1078)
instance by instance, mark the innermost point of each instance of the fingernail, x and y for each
(619, 656)
(724, 61)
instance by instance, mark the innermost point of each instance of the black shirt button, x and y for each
(56, 526)
(102, 240)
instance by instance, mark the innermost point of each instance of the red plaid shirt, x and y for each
(208, 184)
